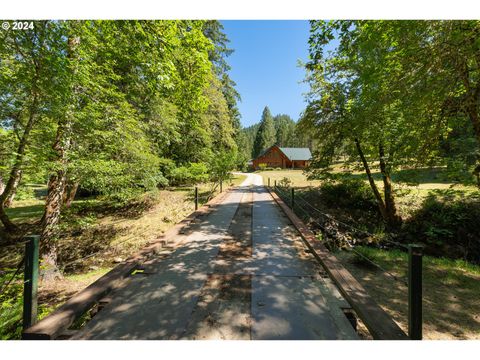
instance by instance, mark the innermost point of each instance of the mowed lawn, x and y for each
(412, 186)
(296, 176)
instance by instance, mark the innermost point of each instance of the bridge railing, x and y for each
(307, 212)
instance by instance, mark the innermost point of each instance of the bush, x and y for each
(348, 193)
(220, 166)
(25, 193)
(447, 223)
(11, 307)
(262, 166)
(285, 182)
(189, 174)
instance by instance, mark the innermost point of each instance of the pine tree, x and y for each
(266, 135)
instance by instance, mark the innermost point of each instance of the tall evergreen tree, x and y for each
(266, 135)
(285, 130)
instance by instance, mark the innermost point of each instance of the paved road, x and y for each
(240, 273)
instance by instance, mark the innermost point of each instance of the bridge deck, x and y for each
(242, 273)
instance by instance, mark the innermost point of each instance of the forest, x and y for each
(271, 130)
(112, 108)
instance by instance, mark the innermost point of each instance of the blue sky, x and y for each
(264, 66)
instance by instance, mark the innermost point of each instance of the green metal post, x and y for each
(30, 285)
(293, 197)
(415, 291)
(196, 198)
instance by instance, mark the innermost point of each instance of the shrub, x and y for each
(285, 182)
(447, 223)
(189, 174)
(220, 166)
(348, 193)
(262, 166)
(25, 193)
(11, 307)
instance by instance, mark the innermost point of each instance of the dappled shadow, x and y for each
(22, 213)
(203, 289)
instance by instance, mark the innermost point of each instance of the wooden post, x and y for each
(268, 182)
(293, 197)
(221, 186)
(415, 291)
(30, 285)
(275, 183)
(196, 198)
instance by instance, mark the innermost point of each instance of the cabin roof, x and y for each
(291, 153)
(296, 153)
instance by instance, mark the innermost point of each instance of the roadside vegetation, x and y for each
(451, 306)
(442, 216)
(105, 128)
(95, 235)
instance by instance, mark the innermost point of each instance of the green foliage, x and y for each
(190, 174)
(262, 166)
(348, 193)
(447, 223)
(394, 83)
(284, 182)
(25, 193)
(147, 102)
(266, 135)
(11, 307)
(221, 165)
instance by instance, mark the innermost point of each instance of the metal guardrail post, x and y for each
(415, 291)
(30, 285)
(196, 198)
(293, 198)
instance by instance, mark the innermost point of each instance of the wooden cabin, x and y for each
(283, 157)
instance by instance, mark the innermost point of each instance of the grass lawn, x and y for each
(411, 185)
(296, 176)
(451, 288)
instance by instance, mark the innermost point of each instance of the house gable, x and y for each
(276, 156)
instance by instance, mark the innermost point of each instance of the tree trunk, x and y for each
(56, 183)
(393, 219)
(2, 185)
(51, 218)
(6, 197)
(10, 197)
(70, 192)
(378, 197)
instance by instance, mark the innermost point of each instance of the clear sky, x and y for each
(264, 66)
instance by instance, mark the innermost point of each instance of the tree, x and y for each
(213, 30)
(359, 97)
(113, 107)
(285, 130)
(27, 61)
(266, 135)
